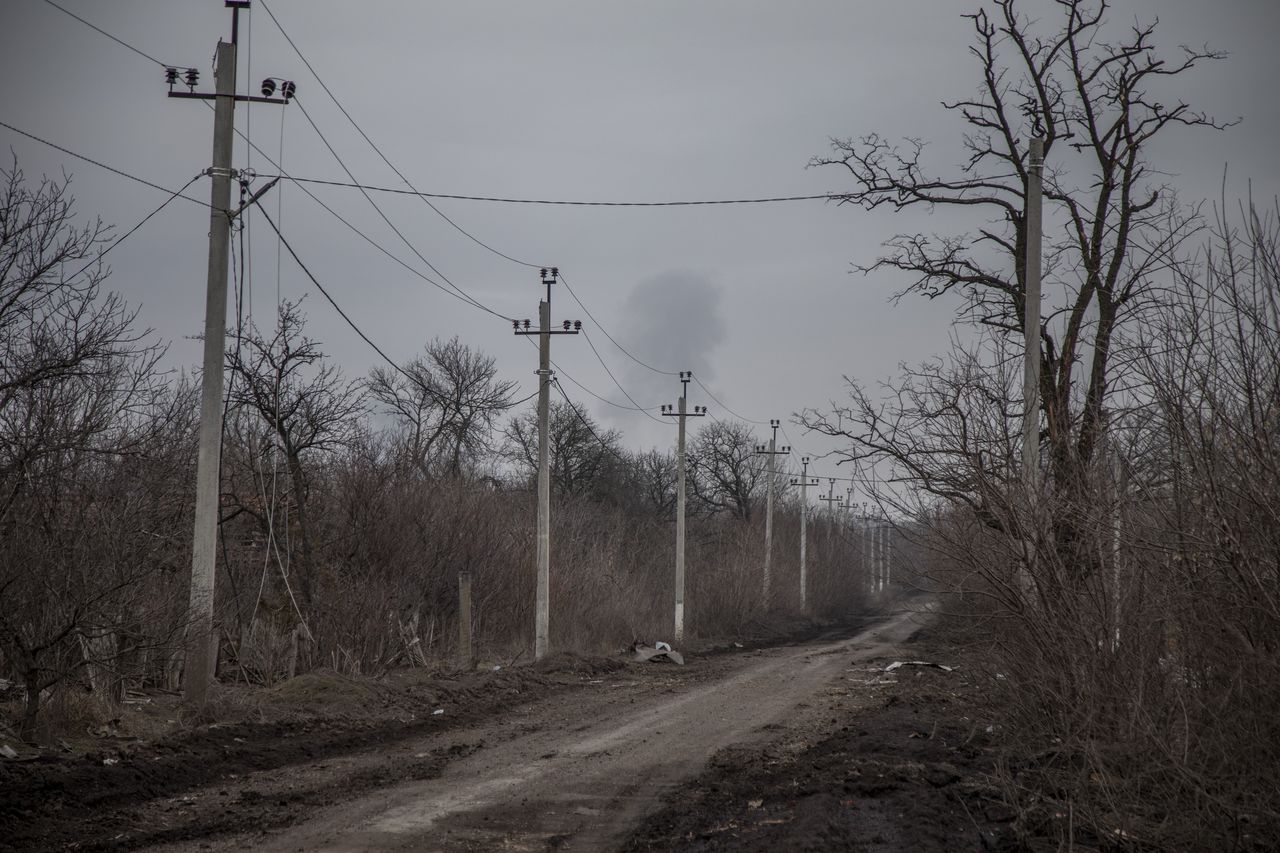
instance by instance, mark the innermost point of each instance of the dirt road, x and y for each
(574, 773)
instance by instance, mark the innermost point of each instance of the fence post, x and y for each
(466, 658)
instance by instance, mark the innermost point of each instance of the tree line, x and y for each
(348, 506)
(1130, 593)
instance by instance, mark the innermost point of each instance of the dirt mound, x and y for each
(322, 688)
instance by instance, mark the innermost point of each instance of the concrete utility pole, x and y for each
(681, 414)
(771, 452)
(886, 543)
(833, 501)
(804, 482)
(868, 566)
(201, 648)
(1031, 320)
(542, 601)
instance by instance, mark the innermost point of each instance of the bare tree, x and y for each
(307, 404)
(79, 412)
(1112, 228)
(447, 402)
(655, 474)
(726, 473)
(585, 459)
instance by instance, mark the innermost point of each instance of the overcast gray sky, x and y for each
(641, 101)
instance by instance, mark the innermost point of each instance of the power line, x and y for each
(587, 424)
(144, 221)
(108, 35)
(569, 202)
(326, 295)
(375, 244)
(425, 198)
(707, 391)
(560, 371)
(101, 165)
(378, 150)
(600, 326)
(639, 408)
(461, 293)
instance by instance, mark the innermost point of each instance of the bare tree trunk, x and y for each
(31, 708)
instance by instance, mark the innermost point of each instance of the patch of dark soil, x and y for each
(62, 801)
(908, 773)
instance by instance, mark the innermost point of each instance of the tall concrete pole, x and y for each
(771, 452)
(543, 595)
(886, 549)
(681, 413)
(867, 568)
(1031, 320)
(832, 502)
(679, 615)
(804, 521)
(200, 648)
(768, 518)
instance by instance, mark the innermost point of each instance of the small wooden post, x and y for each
(466, 657)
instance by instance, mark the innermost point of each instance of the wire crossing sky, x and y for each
(656, 153)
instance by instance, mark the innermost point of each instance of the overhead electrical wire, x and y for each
(639, 408)
(461, 293)
(560, 371)
(283, 175)
(118, 41)
(564, 202)
(331, 300)
(603, 444)
(717, 401)
(101, 165)
(601, 327)
(324, 86)
(378, 150)
(143, 221)
(412, 190)
(346, 317)
(375, 244)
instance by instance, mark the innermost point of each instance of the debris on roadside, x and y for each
(659, 651)
(898, 664)
(7, 751)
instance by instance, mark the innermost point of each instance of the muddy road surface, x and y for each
(815, 744)
(571, 772)
(579, 774)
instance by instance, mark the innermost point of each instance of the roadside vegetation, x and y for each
(349, 505)
(1129, 596)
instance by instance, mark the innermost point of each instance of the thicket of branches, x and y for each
(1131, 594)
(349, 506)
